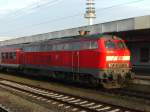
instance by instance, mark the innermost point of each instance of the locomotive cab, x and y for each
(117, 67)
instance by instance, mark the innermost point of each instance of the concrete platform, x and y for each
(142, 79)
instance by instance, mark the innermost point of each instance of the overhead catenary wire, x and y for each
(121, 4)
(58, 1)
(75, 15)
(17, 14)
(38, 5)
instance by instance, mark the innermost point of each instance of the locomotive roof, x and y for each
(72, 38)
(79, 37)
(92, 36)
(87, 36)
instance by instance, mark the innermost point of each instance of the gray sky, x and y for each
(22, 18)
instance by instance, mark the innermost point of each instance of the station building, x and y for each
(135, 31)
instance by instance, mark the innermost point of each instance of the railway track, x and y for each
(2, 109)
(66, 102)
(132, 93)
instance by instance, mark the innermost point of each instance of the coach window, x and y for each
(3, 55)
(7, 56)
(11, 55)
(144, 54)
(14, 55)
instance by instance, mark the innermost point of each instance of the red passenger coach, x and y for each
(96, 59)
(10, 57)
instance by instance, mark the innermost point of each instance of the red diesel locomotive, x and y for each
(96, 59)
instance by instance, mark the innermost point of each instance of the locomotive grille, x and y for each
(118, 65)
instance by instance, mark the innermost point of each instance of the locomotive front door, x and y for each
(75, 61)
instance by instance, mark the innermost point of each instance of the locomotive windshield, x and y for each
(121, 45)
(111, 44)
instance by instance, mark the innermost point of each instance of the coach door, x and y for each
(75, 61)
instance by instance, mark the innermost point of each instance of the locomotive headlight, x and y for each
(126, 58)
(111, 58)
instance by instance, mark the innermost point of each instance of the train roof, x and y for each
(72, 39)
(62, 39)
(80, 37)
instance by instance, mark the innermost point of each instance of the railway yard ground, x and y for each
(13, 103)
(68, 95)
